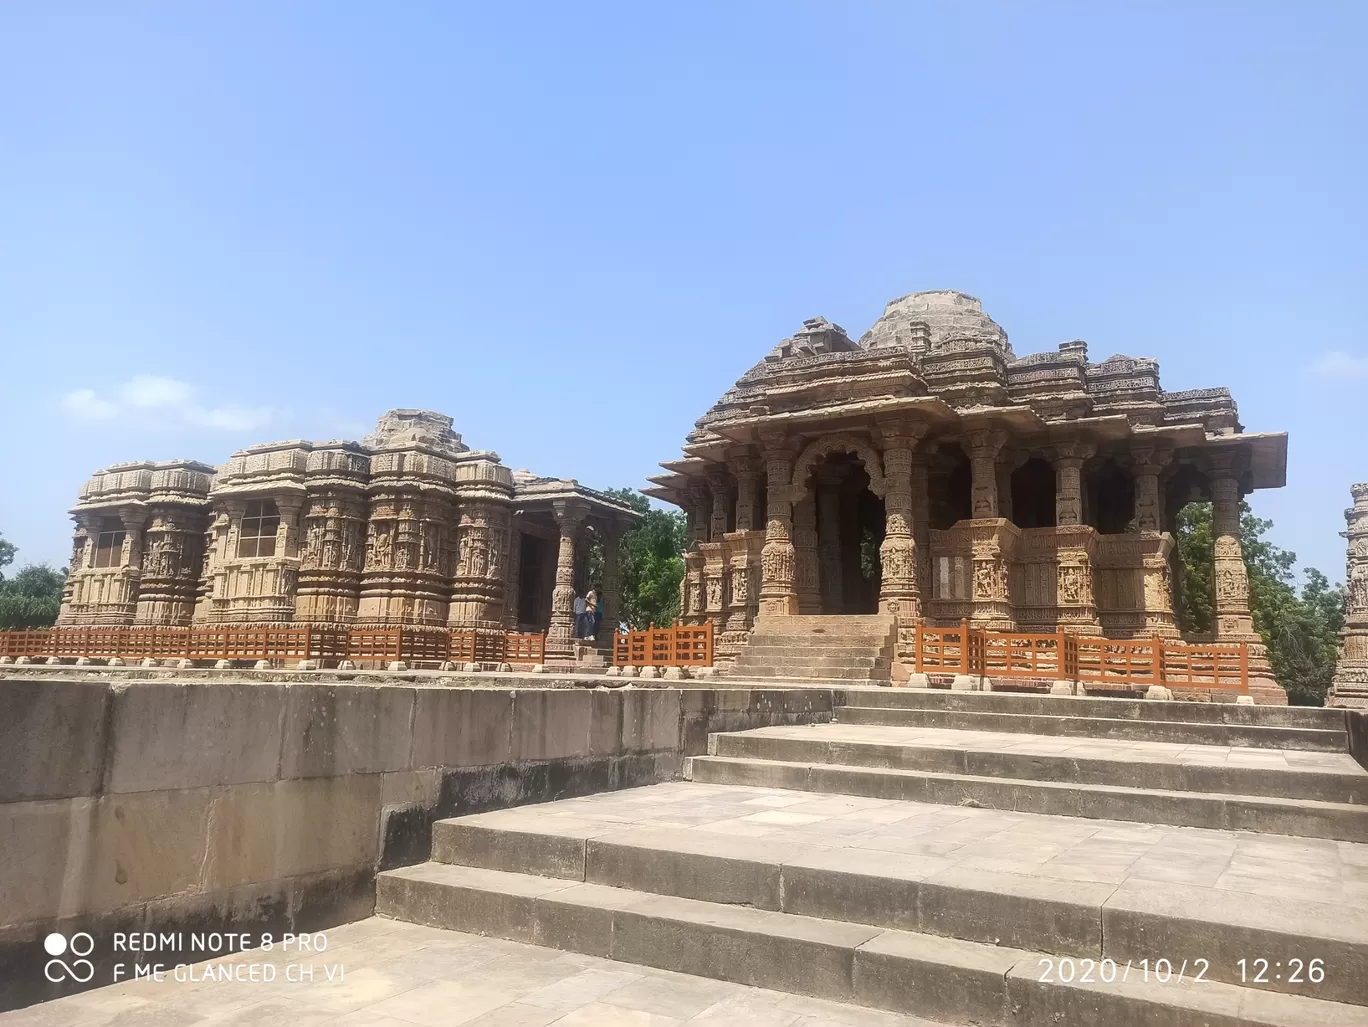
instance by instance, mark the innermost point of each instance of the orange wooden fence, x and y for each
(1100, 662)
(682, 645)
(374, 646)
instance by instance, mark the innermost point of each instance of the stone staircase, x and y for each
(969, 858)
(819, 650)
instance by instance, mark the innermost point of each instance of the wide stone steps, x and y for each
(1065, 722)
(1117, 764)
(957, 945)
(1306, 818)
(1110, 709)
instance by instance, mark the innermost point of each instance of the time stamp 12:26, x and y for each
(1164, 971)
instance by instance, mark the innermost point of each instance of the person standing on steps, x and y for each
(579, 610)
(593, 615)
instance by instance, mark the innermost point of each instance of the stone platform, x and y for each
(905, 868)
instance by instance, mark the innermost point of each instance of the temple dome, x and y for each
(922, 321)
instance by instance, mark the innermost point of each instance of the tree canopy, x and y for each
(650, 564)
(31, 598)
(1300, 627)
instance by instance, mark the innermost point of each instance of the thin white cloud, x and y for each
(1341, 365)
(150, 392)
(85, 405)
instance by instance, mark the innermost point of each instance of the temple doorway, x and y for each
(848, 523)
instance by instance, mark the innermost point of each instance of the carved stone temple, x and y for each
(407, 527)
(1350, 686)
(927, 471)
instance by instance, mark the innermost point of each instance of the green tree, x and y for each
(1300, 629)
(650, 563)
(7, 552)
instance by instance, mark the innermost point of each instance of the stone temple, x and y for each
(407, 527)
(927, 471)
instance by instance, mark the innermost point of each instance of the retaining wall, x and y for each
(193, 806)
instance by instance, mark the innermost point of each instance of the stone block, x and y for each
(550, 724)
(114, 661)
(145, 846)
(965, 683)
(692, 865)
(650, 719)
(185, 664)
(410, 787)
(675, 674)
(464, 899)
(612, 672)
(346, 729)
(262, 665)
(22, 661)
(1062, 687)
(346, 665)
(629, 671)
(649, 672)
(46, 846)
(53, 661)
(83, 661)
(286, 828)
(147, 661)
(703, 673)
(505, 668)
(171, 735)
(52, 738)
(397, 665)
(223, 665)
(918, 680)
(508, 842)
(537, 668)
(1016, 910)
(1244, 700)
(941, 978)
(5, 661)
(1158, 692)
(461, 727)
(307, 665)
(471, 668)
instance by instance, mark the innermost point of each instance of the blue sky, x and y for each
(572, 227)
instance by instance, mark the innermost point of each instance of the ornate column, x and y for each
(921, 524)
(513, 578)
(777, 598)
(560, 637)
(1350, 686)
(1233, 620)
(900, 585)
(1069, 458)
(747, 473)
(806, 583)
(610, 595)
(1149, 461)
(984, 446)
(333, 551)
(828, 502)
(171, 564)
(477, 598)
(720, 503)
(701, 523)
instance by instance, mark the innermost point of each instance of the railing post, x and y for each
(1244, 668)
(917, 646)
(1160, 672)
(964, 646)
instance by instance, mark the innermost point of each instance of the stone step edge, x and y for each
(900, 971)
(1333, 821)
(1261, 731)
(1066, 918)
(1203, 773)
(952, 701)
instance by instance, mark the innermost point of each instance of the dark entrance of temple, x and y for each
(849, 527)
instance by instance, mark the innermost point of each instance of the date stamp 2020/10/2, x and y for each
(1067, 970)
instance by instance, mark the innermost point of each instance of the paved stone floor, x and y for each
(398, 975)
(921, 840)
(1096, 748)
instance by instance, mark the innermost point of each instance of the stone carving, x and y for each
(1350, 686)
(369, 533)
(940, 412)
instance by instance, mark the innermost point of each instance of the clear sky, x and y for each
(573, 226)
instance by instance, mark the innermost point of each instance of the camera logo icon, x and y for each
(80, 970)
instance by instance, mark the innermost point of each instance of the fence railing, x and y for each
(367, 646)
(681, 645)
(1101, 662)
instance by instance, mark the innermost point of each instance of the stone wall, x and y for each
(268, 806)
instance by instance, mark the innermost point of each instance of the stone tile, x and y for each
(516, 1014)
(574, 991)
(669, 994)
(436, 1003)
(599, 1014)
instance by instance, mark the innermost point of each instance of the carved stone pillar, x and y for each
(691, 601)
(806, 581)
(1150, 462)
(747, 494)
(921, 525)
(1233, 620)
(720, 494)
(777, 598)
(171, 564)
(984, 446)
(828, 484)
(1350, 686)
(477, 598)
(513, 579)
(610, 595)
(1074, 595)
(333, 551)
(701, 524)
(900, 585)
(1069, 458)
(560, 637)
(991, 589)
